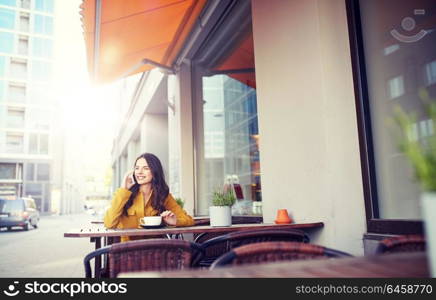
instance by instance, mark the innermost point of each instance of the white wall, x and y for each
(154, 138)
(307, 118)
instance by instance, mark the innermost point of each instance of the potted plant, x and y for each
(220, 212)
(421, 153)
(180, 202)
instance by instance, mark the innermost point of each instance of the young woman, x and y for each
(144, 193)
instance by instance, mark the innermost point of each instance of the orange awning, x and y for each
(123, 37)
(241, 58)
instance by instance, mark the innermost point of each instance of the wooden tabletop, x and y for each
(406, 265)
(100, 231)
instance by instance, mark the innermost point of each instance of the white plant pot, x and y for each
(220, 216)
(428, 202)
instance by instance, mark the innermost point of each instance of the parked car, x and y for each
(18, 212)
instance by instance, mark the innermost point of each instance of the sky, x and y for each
(89, 110)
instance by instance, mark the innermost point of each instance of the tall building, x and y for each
(29, 148)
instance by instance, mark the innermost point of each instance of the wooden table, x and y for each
(406, 265)
(96, 233)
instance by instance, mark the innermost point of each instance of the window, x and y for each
(44, 5)
(18, 68)
(396, 87)
(30, 172)
(7, 42)
(38, 119)
(15, 117)
(43, 173)
(17, 92)
(25, 4)
(430, 72)
(38, 143)
(14, 143)
(41, 71)
(8, 171)
(225, 112)
(2, 87)
(43, 24)
(7, 2)
(23, 45)
(24, 22)
(34, 189)
(387, 72)
(7, 18)
(42, 47)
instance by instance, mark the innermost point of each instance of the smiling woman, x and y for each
(145, 193)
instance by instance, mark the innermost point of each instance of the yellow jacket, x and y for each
(115, 218)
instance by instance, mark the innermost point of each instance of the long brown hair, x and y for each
(159, 186)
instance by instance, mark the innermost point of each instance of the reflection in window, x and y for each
(7, 18)
(388, 77)
(230, 139)
(396, 87)
(7, 42)
(430, 72)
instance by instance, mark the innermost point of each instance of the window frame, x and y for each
(373, 222)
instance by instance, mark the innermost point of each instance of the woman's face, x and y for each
(142, 172)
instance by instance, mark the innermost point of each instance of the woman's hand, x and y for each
(169, 217)
(128, 181)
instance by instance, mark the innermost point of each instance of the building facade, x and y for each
(292, 99)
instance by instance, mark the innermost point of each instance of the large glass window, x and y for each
(226, 118)
(17, 92)
(8, 171)
(42, 47)
(7, 18)
(18, 68)
(8, 2)
(44, 5)
(41, 70)
(399, 48)
(24, 21)
(43, 24)
(7, 42)
(43, 172)
(14, 143)
(15, 117)
(2, 88)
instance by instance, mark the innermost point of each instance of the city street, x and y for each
(44, 252)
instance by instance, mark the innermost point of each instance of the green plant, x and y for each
(420, 152)
(180, 202)
(220, 198)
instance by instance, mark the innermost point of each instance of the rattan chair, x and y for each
(275, 251)
(402, 243)
(215, 247)
(146, 255)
